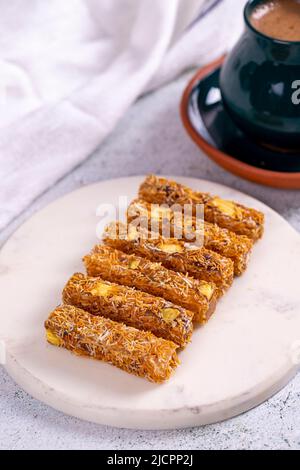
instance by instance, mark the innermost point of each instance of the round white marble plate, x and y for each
(249, 349)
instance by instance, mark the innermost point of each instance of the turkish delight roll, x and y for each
(178, 224)
(227, 214)
(134, 351)
(130, 306)
(172, 253)
(134, 271)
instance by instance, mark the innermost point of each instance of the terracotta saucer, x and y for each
(210, 126)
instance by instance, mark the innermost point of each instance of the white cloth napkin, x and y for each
(70, 69)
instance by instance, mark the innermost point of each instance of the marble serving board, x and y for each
(248, 350)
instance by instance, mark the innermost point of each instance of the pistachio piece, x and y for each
(206, 289)
(101, 289)
(134, 264)
(169, 314)
(53, 339)
(171, 247)
(133, 233)
(226, 207)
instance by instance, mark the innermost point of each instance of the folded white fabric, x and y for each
(70, 69)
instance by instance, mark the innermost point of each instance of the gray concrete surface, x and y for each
(150, 138)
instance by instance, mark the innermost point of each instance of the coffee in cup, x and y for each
(278, 19)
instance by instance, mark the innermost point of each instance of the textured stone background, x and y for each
(150, 138)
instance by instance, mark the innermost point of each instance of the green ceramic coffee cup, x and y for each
(260, 85)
